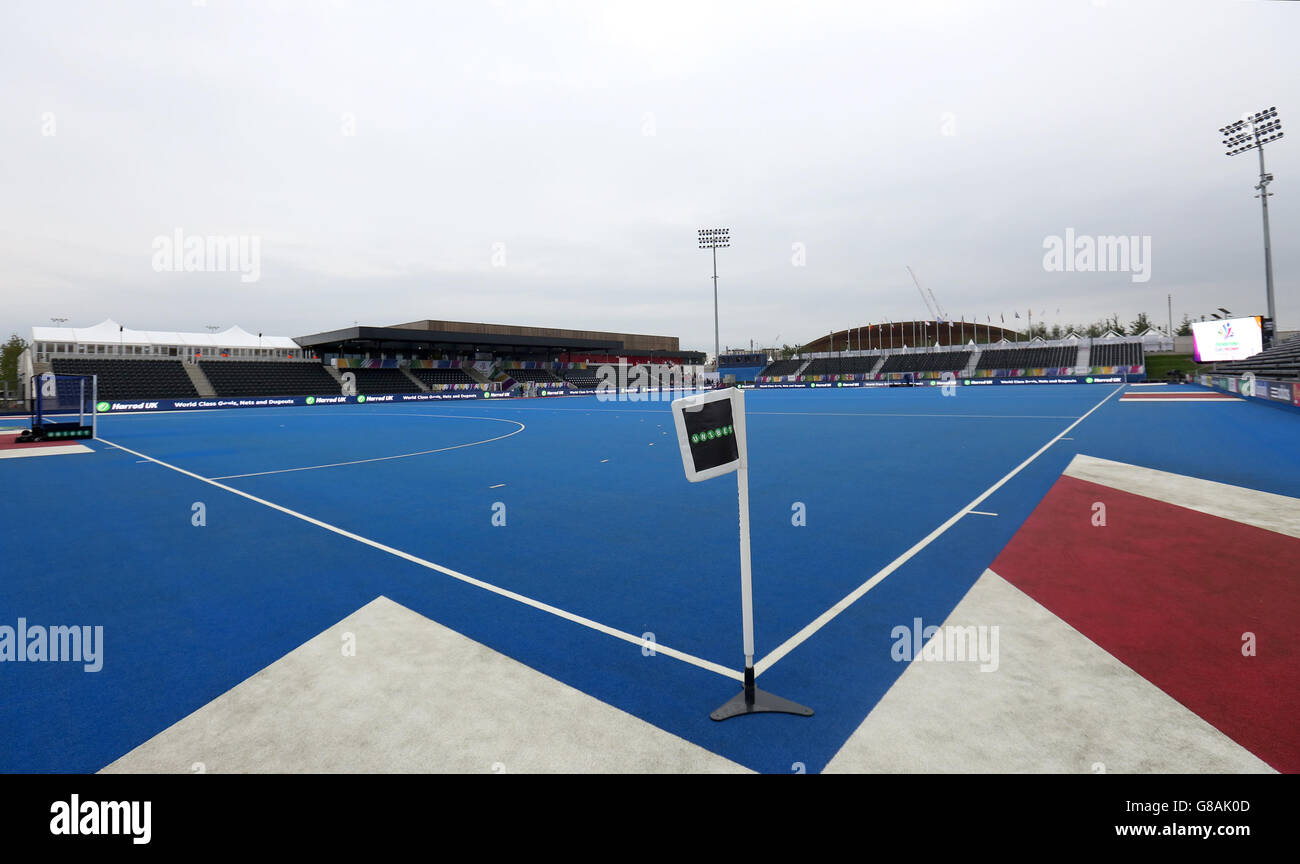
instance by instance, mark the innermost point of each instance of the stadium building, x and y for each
(418, 357)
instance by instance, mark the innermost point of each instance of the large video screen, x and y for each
(1233, 339)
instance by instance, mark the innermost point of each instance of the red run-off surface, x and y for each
(10, 442)
(1171, 593)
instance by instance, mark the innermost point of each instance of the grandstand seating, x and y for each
(541, 376)
(842, 365)
(438, 379)
(1040, 357)
(742, 360)
(927, 361)
(1117, 354)
(587, 379)
(382, 381)
(124, 379)
(1281, 362)
(781, 367)
(267, 378)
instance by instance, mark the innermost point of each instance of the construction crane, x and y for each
(927, 297)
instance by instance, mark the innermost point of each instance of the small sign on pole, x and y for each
(710, 433)
(711, 436)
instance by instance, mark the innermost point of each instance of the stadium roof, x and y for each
(405, 338)
(109, 332)
(399, 337)
(637, 342)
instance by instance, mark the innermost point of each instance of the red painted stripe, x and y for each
(10, 442)
(1174, 391)
(1169, 592)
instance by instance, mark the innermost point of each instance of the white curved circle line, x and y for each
(521, 428)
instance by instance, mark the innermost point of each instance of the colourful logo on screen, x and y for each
(102, 407)
(1225, 331)
(311, 400)
(361, 399)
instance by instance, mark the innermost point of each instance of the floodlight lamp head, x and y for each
(715, 238)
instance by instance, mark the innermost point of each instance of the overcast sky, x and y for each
(549, 163)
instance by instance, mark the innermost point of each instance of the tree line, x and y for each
(1137, 326)
(9, 353)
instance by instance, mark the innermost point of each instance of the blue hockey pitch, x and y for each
(557, 531)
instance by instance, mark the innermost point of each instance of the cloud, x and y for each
(384, 155)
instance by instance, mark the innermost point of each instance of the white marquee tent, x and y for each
(110, 339)
(110, 333)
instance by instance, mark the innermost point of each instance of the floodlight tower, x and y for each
(715, 239)
(1250, 133)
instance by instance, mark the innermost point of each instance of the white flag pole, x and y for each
(746, 568)
(701, 460)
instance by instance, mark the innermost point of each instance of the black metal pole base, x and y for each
(751, 700)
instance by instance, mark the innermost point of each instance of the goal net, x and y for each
(63, 406)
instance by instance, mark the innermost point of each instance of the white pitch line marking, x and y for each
(831, 413)
(447, 571)
(856, 594)
(56, 450)
(845, 414)
(980, 513)
(882, 414)
(1216, 401)
(498, 486)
